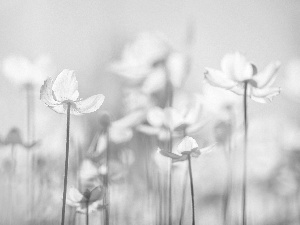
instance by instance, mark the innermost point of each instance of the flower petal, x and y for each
(154, 82)
(187, 144)
(207, 149)
(264, 95)
(96, 194)
(46, 93)
(74, 196)
(65, 86)
(267, 76)
(169, 154)
(155, 117)
(90, 104)
(218, 79)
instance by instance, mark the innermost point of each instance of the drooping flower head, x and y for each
(58, 93)
(236, 70)
(23, 72)
(188, 146)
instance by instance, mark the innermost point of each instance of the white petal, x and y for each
(178, 67)
(207, 149)
(90, 104)
(218, 79)
(154, 82)
(172, 118)
(264, 95)
(74, 195)
(267, 76)
(187, 144)
(65, 86)
(46, 93)
(155, 117)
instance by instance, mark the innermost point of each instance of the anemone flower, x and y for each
(86, 202)
(185, 120)
(61, 95)
(241, 77)
(188, 148)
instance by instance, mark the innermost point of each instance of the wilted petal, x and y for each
(65, 86)
(46, 93)
(156, 117)
(218, 79)
(187, 144)
(90, 104)
(267, 76)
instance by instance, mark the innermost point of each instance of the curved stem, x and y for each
(244, 197)
(66, 166)
(192, 189)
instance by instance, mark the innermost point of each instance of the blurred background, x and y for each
(87, 36)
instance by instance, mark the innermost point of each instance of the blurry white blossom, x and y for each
(22, 71)
(58, 93)
(81, 200)
(292, 80)
(236, 70)
(188, 146)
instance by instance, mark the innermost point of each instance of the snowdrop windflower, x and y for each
(236, 71)
(63, 91)
(187, 147)
(23, 72)
(83, 201)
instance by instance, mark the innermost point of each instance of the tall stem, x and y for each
(192, 189)
(87, 212)
(106, 178)
(11, 189)
(170, 180)
(244, 197)
(66, 166)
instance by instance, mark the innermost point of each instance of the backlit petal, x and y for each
(90, 104)
(46, 93)
(218, 79)
(187, 144)
(65, 86)
(267, 76)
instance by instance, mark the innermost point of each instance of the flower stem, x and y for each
(192, 189)
(11, 189)
(106, 178)
(66, 166)
(170, 180)
(87, 212)
(244, 197)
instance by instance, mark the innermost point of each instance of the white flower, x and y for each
(236, 70)
(188, 146)
(58, 93)
(24, 72)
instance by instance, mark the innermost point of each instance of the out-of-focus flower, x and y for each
(185, 118)
(141, 56)
(292, 80)
(23, 72)
(58, 93)
(81, 200)
(136, 99)
(151, 63)
(88, 172)
(14, 138)
(236, 70)
(188, 146)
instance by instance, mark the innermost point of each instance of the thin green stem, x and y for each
(66, 166)
(192, 189)
(244, 197)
